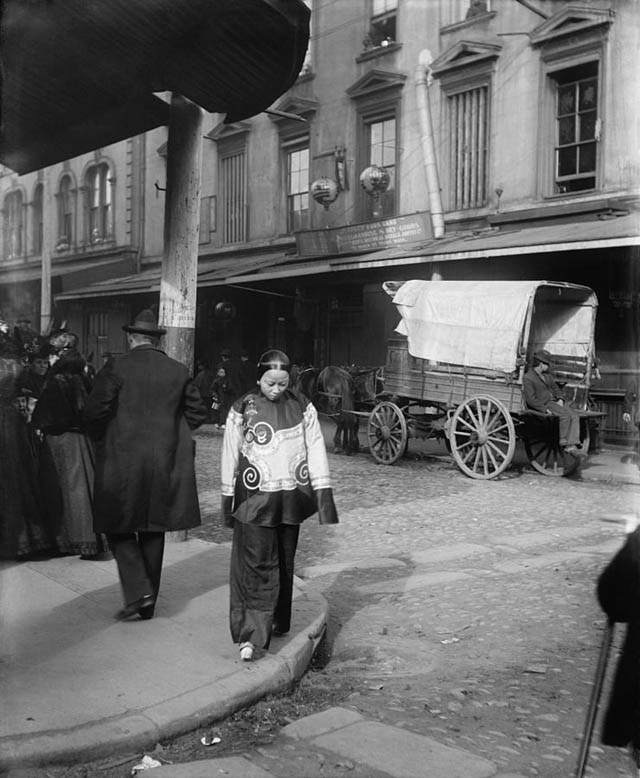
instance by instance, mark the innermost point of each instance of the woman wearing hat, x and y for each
(67, 460)
(140, 414)
(542, 394)
(23, 528)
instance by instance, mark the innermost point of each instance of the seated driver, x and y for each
(542, 394)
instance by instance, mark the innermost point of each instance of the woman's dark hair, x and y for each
(274, 359)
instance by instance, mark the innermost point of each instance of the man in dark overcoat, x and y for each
(140, 414)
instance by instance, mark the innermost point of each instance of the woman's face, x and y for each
(40, 366)
(273, 383)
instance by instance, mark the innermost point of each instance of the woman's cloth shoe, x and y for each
(246, 652)
(142, 607)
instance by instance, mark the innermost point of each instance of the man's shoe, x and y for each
(142, 607)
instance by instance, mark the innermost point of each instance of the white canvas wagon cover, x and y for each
(481, 323)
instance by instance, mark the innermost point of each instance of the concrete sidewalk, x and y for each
(351, 744)
(78, 685)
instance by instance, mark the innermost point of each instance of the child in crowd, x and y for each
(219, 395)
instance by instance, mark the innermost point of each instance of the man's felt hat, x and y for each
(543, 356)
(145, 323)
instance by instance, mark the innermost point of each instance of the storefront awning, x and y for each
(232, 270)
(20, 275)
(597, 233)
(218, 271)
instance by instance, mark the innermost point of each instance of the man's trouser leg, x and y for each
(569, 423)
(139, 561)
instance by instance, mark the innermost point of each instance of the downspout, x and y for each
(141, 196)
(423, 78)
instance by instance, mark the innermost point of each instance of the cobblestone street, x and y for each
(464, 610)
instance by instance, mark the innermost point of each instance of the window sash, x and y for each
(99, 203)
(468, 131)
(14, 225)
(381, 140)
(38, 227)
(65, 212)
(297, 189)
(576, 125)
(234, 198)
(379, 7)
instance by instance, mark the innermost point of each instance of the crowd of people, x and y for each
(105, 463)
(95, 462)
(46, 459)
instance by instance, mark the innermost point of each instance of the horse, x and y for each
(303, 379)
(335, 397)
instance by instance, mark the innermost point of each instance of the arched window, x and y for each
(65, 214)
(36, 225)
(99, 203)
(13, 225)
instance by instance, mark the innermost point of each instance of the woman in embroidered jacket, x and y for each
(274, 475)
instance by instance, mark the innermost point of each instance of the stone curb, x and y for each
(142, 729)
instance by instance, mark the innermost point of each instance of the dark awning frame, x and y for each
(77, 76)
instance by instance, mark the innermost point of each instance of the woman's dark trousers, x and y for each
(261, 581)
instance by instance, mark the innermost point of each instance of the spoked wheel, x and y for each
(545, 454)
(387, 433)
(482, 437)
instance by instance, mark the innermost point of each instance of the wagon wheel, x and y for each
(546, 456)
(482, 437)
(387, 433)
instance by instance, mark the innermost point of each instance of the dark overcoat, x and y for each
(619, 596)
(140, 414)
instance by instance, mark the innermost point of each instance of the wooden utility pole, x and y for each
(181, 226)
(178, 286)
(45, 283)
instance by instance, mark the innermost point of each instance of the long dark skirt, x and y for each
(72, 491)
(261, 581)
(23, 527)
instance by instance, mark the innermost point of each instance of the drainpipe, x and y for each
(141, 175)
(422, 79)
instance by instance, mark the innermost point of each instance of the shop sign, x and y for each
(367, 236)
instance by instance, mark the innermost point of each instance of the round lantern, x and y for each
(324, 191)
(375, 180)
(224, 310)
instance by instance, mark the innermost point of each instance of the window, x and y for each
(380, 141)
(577, 128)
(465, 71)
(13, 225)
(234, 197)
(382, 30)
(37, 226)
(468, 152)
(99, 202)
(573, 47)
(297, 161)
(65, 214)
(207, 219)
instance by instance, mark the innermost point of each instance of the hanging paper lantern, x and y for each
(324, 191)
(375, 179)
